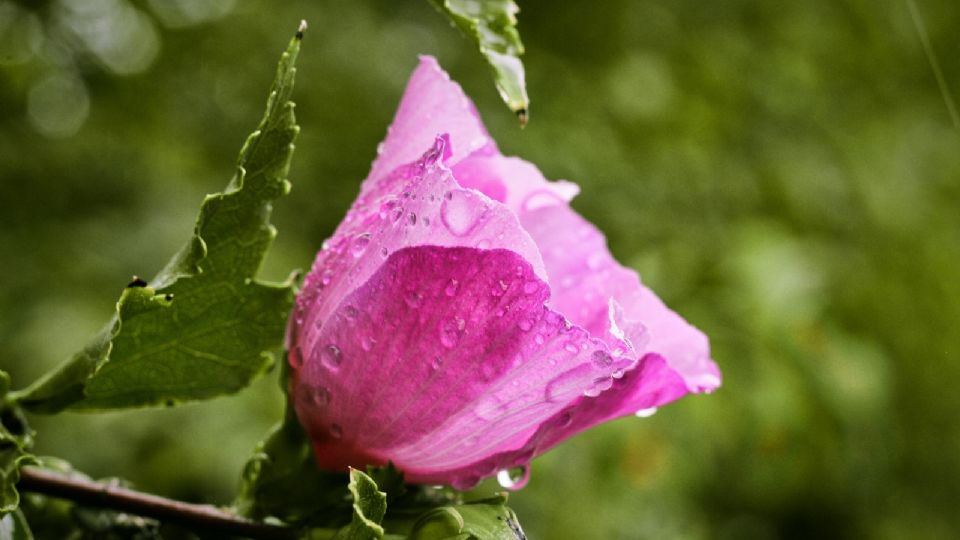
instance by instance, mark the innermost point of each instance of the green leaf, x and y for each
(487, 519)
(369, 507)
(282, 480)
(13, 526)
(16, 440)
(205, 326)
(492, 24)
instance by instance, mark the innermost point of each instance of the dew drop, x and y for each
(367, 343)
(539, 339)
(437, 362)
(571, 347)
(602, 358)
(336, 431)
(350, 313)
(564, 420)
(515, 478)
(326, 277)
(412, 218)
(483, 244)
(525, 324)
(332, 356)
(451, 331)
(452, 287)
(530, 287)
(384, 252)
(413, 299)
(645, 413)
(426, 221)
(396, 214)
(461, 212)
(320, 396)
(499, 288)
(598, 387)
(387, 209)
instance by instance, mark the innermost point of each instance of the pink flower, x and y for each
(464, 319)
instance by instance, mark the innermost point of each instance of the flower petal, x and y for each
(431, 104)
(417, 204)
(584, 278)
(445, 357)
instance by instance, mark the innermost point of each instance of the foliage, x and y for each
(206, 326)
(492, 25)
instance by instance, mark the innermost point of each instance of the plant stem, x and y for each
(193, 516)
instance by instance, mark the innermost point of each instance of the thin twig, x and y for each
(934, 64)
(192, 516)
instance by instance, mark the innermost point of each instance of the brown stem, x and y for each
(193, 516)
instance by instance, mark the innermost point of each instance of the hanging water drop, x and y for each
(336, 431)
(515, 478)
(326, 277)
(412, 218)
(645, 413)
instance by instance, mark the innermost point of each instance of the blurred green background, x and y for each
(784, 174)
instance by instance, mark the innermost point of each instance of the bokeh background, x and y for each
(784, 174)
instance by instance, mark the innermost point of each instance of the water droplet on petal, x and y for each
(320, 396)
(645, 413)
(483, 244)
(452, 287)
(336, 431)
(564, 419)
(499, 288)
(539, 339)
(326, 277)
(437, 362)
(412, 218)
(367, 343)
(571, 347)
(331, 356)
(360, 243)
(598, 387)
(525, 324)
(602, 358)
(451, 331)
(515, 478)
(387, 209)
(350, 313)
(413, 299)
(530, 287)
(461, 212)
(384, 252)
